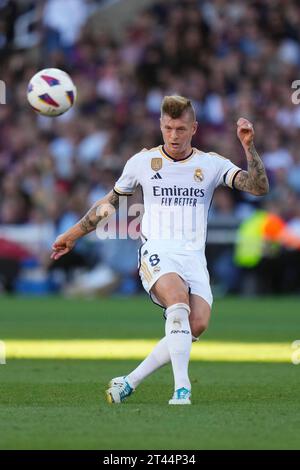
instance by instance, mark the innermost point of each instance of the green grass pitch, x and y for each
(61, 353)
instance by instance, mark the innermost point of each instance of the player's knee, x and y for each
(180, 297)
(198, 326)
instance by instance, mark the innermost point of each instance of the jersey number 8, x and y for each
(154, 260)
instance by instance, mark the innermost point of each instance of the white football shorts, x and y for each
(154, 262)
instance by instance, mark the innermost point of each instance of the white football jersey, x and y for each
(177, 194)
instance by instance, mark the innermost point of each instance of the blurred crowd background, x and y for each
(231, 58)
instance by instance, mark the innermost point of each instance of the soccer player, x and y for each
(178, 183)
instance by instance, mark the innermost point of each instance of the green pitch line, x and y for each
(60, 404)
(138, 349)
(60, 355)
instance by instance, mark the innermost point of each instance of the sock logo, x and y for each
(185, 332)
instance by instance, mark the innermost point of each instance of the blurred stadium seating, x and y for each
(231, 58)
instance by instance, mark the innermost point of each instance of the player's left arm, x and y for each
(255, 180)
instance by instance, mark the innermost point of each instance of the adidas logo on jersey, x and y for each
(156, 177)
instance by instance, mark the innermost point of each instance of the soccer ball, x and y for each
(51, 92)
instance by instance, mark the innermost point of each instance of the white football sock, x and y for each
(158, 357)
(179, 341)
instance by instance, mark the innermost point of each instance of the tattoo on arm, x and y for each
(114, 199)
(98, 212)
(254, 180)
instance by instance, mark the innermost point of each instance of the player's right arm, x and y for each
(102, 209)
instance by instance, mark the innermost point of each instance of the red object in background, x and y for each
(63, 186)
(13, 250)
(276, 230)
(273, 227)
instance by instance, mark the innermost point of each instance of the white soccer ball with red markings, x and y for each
(51, 92)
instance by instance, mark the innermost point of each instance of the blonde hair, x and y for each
(175, 106)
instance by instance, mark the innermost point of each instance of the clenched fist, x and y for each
(245, 132)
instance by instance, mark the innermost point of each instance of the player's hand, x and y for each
(62, 245)
(245, 132)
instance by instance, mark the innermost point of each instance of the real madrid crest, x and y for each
(156, 164)
(198, 175)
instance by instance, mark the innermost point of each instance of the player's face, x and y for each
(177, 134)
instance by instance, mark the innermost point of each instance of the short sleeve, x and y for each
(128, 181)
(226, 170)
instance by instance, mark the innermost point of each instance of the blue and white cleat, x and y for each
(182, 396)
(119, 389)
